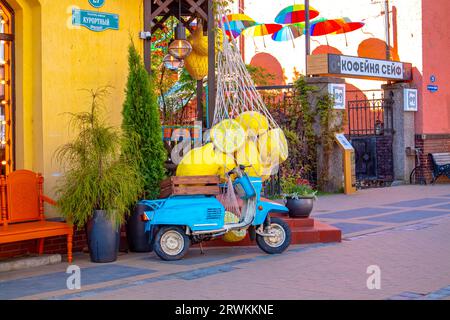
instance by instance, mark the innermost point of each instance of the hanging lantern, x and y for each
(180, 48)
(172, 63)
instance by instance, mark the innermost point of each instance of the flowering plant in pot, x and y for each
(99, 183)
(299, 196)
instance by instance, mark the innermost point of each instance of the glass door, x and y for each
(6, 88)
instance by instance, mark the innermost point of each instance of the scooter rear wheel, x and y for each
(171, 243)
(280, 241)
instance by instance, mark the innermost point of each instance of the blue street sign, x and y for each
(95, 21)
(97, 3)
(432, 88)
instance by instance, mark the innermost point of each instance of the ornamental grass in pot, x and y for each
(299, 197)
(99, 183)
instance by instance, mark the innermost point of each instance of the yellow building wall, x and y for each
(55, 63)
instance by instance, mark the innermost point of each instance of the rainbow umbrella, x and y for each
(295, 14)
(289, 32)
(322, 27)
(347, 26)
(261, 30)
(236, 23)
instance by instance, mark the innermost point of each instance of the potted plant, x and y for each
(100, 183)
(141, 119)
(299, 197)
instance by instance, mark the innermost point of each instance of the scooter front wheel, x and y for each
(280, 240)
(171, 243)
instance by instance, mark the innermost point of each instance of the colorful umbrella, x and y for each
(261, 30)
(322, 27)
(289, 32)
(235, 23)
(295, 14)
(348, 26)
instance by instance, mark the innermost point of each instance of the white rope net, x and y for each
(236, 92)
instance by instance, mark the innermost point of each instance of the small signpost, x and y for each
(95, 21)
(410, 100)
(349, 163)
(337, 91)
(97, 3)
(432, 88)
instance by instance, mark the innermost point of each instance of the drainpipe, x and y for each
(307, 36)
(386, 21)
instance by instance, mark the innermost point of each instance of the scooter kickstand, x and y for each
(201, 248)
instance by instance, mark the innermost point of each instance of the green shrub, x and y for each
(97, 176)
(141, 123)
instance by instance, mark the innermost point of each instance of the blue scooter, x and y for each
(174, 223)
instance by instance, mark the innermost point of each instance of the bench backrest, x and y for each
(441, 159)
(21, 194)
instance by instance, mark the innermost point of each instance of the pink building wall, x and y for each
(434, 114)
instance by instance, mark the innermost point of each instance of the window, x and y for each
(6, 88)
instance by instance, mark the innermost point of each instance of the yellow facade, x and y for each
(54, 62)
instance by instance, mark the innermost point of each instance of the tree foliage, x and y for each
(141, 123)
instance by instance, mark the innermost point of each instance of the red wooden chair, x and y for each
(22, 211)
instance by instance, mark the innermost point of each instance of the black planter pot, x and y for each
(300, 208)
(103, 238)
(136, 236)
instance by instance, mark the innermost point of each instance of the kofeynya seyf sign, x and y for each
(357, 67)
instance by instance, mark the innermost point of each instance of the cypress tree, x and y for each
(141, 123)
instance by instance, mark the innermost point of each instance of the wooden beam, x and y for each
(160, 23)
(211, 63)
(160, 9)
(195, 8)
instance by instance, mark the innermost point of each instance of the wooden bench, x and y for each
(22, 211)
(441, 165)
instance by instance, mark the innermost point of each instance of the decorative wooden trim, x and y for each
(195, 8)
(40, 181)
(162, 6)
(4, 212)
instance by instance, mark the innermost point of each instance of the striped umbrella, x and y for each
(261, 30)
(236, 23)
(295, 14)
(289, 32)
(347, 26)
(322, 27)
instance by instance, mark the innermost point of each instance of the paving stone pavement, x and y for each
(409, 244)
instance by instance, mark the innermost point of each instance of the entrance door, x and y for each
(6, 87)
(370, 130)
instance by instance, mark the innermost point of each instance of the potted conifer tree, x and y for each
(99, 183)
(141, 120)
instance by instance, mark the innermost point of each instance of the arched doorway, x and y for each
(6, 87)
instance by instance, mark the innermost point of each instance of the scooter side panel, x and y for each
(198, 212)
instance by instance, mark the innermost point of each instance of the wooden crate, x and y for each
(190, 185)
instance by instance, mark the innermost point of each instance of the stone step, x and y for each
(304, 231)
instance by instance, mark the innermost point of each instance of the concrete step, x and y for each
(304, 231)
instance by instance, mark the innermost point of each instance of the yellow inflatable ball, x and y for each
(199, 162)
(227, 136)
(248, 155)
(267, 171)
(196, 65)
(235, 235)
(273, 147)
(226, 163)
(199, 41)
(253, 122)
